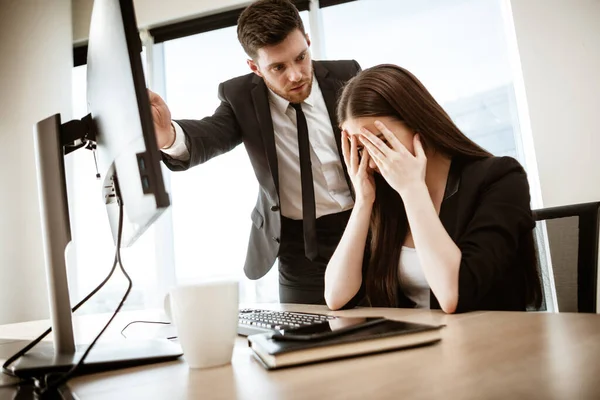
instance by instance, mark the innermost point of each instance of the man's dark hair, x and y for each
(267, 23)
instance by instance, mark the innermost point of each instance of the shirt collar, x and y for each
(282, 104)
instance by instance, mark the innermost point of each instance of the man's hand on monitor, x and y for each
(161, 116)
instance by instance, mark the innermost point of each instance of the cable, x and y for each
(34, 342)
(145, 322)
(54, 384)
(11, 384)
(29, 346)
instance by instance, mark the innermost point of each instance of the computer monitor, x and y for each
(120, 128)
(118, 102)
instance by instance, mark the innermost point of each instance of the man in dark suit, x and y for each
(284, 113)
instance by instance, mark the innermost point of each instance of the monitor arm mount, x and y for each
(78, 133)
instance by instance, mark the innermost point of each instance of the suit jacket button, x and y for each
(274, 208)
(276, 239)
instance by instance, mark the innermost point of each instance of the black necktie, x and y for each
(309, 220)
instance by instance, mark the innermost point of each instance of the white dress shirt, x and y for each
(178, 149)
(412, 279)
(332, 194)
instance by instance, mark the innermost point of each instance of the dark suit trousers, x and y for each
(300, 279)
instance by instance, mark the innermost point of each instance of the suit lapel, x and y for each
(260, 99)
(330, 88)
(449, 207)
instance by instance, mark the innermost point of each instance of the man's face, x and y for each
(286, 67)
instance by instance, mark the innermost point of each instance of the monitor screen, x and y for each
(119, 105)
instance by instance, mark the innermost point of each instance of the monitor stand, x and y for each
(52, 141)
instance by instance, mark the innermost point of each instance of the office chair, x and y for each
(573, 244)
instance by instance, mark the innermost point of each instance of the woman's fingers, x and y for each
(418, 146)
(374, 140)
(373, 150)
(346, 148)
(392, 140)
(353, 154)
(364, 162)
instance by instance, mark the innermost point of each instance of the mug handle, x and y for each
(167, 306)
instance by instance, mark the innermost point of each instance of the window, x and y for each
(456, 48)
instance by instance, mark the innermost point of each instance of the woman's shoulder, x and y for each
(491, 169)
(497, 176)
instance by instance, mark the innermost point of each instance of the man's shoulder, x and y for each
(340, 69)
(237, 88)
(241, 82)
(337, 65)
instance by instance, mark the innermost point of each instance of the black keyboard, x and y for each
(253, 321)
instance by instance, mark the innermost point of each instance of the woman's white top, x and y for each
(412, 279)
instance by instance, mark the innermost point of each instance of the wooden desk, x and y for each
(483, 355)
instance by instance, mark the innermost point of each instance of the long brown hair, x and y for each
(392, 91)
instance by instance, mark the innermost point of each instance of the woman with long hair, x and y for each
(438, 222)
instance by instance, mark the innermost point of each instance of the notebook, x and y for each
(386, 336)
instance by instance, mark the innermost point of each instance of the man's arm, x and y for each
(201, 139)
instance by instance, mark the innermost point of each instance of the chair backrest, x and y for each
(572, 265)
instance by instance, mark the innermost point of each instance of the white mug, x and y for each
(206, 317)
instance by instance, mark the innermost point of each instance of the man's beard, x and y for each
(297, 97)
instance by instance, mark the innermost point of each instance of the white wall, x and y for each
(151, 13)
(559, 48)
(35, 82)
